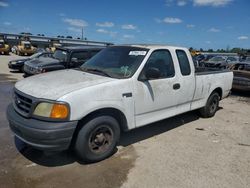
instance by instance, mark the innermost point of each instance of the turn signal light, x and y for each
(59, 111)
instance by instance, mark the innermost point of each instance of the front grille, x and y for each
(23, 104)
(28, 69)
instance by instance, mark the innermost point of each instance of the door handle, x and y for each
(176, 86)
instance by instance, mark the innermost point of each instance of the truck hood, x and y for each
(42, 61)
(20, 60)
(53, 85)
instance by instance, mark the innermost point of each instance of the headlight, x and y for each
(52, 110)
(39, 70)
(13, 62)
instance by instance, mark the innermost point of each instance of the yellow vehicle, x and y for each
(195, 53)
(54, 45)
(25, 48)
(4, 48)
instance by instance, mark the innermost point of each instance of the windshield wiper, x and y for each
(96, 70)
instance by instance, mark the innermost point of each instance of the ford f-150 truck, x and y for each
(121, 88)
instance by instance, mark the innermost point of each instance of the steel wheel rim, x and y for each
(101, 139)
(213, 105)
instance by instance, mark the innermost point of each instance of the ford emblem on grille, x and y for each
(17, 101)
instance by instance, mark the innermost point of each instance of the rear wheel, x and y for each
(97, 139)
(211, 106)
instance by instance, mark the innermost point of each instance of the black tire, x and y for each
(21, 69)
(97, 139)
(211, 106)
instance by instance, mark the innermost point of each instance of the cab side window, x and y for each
(93, 53)
(183, 62)
(161, 60)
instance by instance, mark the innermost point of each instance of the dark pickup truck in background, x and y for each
(63, 58)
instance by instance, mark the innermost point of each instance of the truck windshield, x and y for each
(61, 55)
(117, 62)
(217, 59)
(35, 55)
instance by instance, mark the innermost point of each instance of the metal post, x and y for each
(82, 33)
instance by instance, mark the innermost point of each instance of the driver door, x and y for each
(155, 99)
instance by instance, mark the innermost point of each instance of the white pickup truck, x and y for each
(119, 89)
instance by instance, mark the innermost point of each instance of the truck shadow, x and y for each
(49, 159)
(154, 129)
(52, 159)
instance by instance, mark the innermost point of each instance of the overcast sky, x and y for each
(191, 23)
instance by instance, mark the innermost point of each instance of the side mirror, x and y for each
(150, 74)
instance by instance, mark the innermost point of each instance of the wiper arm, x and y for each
(96, 70)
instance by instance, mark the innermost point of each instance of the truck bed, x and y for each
(207, 70)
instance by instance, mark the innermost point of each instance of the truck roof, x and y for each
(151, 46)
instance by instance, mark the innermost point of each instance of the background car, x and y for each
(203, 58)
(18, 64)
(241, 80)
(247, 59)
(222, 61)
(233, 59)
(217, 62)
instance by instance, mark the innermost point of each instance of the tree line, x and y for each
(228, 50)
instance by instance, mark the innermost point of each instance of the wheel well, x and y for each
(219, 91)
(117, 114)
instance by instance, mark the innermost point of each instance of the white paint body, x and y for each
(151, 101)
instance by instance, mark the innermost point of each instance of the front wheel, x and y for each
(97, 139)
(21, 69)
(211, 106)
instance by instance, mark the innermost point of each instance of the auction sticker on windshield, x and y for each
(136, 53)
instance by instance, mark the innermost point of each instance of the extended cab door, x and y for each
(155, 99)
(171, 93)
(186, 72)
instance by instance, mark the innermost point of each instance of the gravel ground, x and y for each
(184, 151)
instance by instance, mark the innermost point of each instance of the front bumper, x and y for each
(52, 136)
